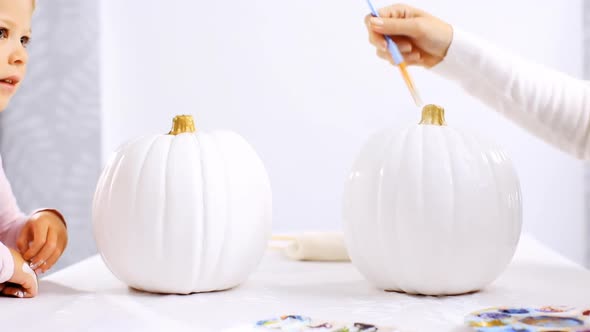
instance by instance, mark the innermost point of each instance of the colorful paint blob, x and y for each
(554, 309)
(515, 311)
(550, 321)
(290, 321)
(298, 323)
(518, 319)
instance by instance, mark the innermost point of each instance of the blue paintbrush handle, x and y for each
(391, 46)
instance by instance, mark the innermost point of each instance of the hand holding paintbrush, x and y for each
(407, 36)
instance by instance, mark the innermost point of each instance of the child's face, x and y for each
(15, 31)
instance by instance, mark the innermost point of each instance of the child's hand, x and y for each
(23, 282)
(42, 240)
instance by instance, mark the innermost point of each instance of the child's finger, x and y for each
(396, 27)
(385, 56)
(47, 250)
(403, 43)
(22, 243)
(368, 20)
(50, 261)
(39, 237)
(416, 62)
(412, 57)
(399, 11)
(377, 40)
(13, 291)
(30, 286)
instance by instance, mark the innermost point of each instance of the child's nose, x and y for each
(18, 56)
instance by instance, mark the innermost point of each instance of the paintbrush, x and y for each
(398, 59)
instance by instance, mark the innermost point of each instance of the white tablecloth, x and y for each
(87, 297)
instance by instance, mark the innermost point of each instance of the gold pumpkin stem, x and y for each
(433, 115)
(182, 124)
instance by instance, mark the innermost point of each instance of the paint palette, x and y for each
(523, 319)
(297, 323)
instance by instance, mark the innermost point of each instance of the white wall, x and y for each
(299, 81)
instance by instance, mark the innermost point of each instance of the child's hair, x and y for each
(34, 4)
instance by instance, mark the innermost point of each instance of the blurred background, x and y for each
(297, 79)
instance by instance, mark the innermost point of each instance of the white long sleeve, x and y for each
(549, 104)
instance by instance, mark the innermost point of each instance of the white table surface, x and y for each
(87, 297)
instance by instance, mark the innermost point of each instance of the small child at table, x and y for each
(31, 244)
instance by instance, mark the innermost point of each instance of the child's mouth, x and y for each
(9, 84)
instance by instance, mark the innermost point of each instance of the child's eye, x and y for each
(25, 40)
(3, 33)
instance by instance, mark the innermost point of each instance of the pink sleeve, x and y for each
(12, 219)
(6, 264)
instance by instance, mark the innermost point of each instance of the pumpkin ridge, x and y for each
(386, 153)
(198, 275)
(140, 176)
(453, 177)
(403, 147)
(227, 225)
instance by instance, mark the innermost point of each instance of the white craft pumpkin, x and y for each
(430, 210)
(183, 212)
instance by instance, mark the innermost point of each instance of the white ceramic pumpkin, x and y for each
(184, 212)
(430, 210)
